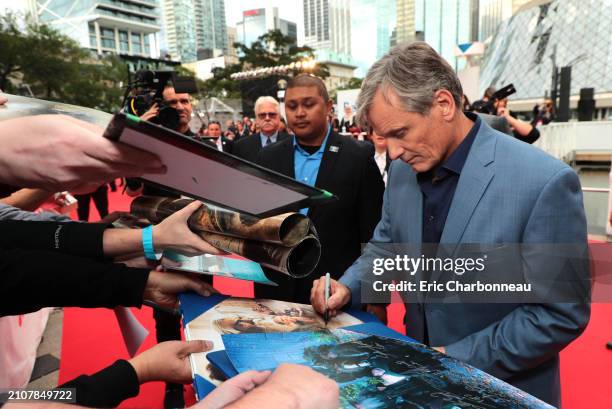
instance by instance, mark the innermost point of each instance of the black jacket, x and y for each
(249, 147)
(46, 264)
(106, 388)
(347, 170)
(228, 144)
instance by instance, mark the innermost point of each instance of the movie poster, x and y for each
(380, 373)
(245, 315)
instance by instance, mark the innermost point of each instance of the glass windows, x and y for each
(136, 45)
(124, 41)
(147, 46)
(107, 37)
(93, 42)
(569, 32)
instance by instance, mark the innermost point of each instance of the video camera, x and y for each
(147, 89)
(488, 107)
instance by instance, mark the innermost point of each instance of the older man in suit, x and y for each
(267, 113)
(458, 182)
(318, 156)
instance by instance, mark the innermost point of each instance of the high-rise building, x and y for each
(258, 22)
(327, 27)
(376, 20)
(211, 28)
(393, 38)
(491, 13)
(195, 29)
(179, 29)
(126, 27)
(517, 4)
(289, 28)
(445, 24)
(232, 37)
(546, 35)
(405, 27)
(385, 21)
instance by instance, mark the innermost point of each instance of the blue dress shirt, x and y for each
(306, 165)
(439, 184)
(264, 138)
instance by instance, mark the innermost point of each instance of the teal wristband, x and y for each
(147, 244)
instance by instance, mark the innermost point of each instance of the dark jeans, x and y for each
(100, 198)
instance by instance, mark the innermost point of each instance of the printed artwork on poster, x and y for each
(245, 315)
(380, 373)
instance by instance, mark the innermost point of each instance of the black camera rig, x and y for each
(147, 89)
(488, 107)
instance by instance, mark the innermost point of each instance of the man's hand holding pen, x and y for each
(339, 296)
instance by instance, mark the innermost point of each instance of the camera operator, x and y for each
(520, 129)
(181, 102)
(482, 105)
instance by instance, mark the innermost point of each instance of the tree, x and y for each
(270, 49)
(12, 49)
(353, 83)
(55, 67)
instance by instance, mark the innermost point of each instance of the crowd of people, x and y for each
(450, 177)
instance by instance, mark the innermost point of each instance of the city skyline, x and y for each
(376, 19)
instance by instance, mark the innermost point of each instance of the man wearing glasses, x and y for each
(267, 113)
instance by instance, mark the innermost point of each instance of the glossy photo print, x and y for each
(380, 373)
(244, 315)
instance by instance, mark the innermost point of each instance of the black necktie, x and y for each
(268, 141)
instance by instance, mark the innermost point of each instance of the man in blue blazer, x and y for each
(458, 181)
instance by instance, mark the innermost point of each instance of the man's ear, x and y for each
(445, 103)
(330, 106)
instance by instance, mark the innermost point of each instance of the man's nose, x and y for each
(394, 149)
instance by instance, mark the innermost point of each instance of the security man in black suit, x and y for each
(216, 137)
(339, 164)
(267, 117)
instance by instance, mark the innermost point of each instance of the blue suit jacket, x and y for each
(508, 192)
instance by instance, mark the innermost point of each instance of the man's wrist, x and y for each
(158, 238)
(140, 367)
(152, 249)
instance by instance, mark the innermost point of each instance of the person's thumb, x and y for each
(191, 208)
(190, 347)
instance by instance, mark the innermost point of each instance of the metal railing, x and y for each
(564, 140)
(597, 210)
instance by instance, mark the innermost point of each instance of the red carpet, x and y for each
(92, 340)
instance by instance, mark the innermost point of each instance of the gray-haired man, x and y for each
(267, 117)
(457, 182)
